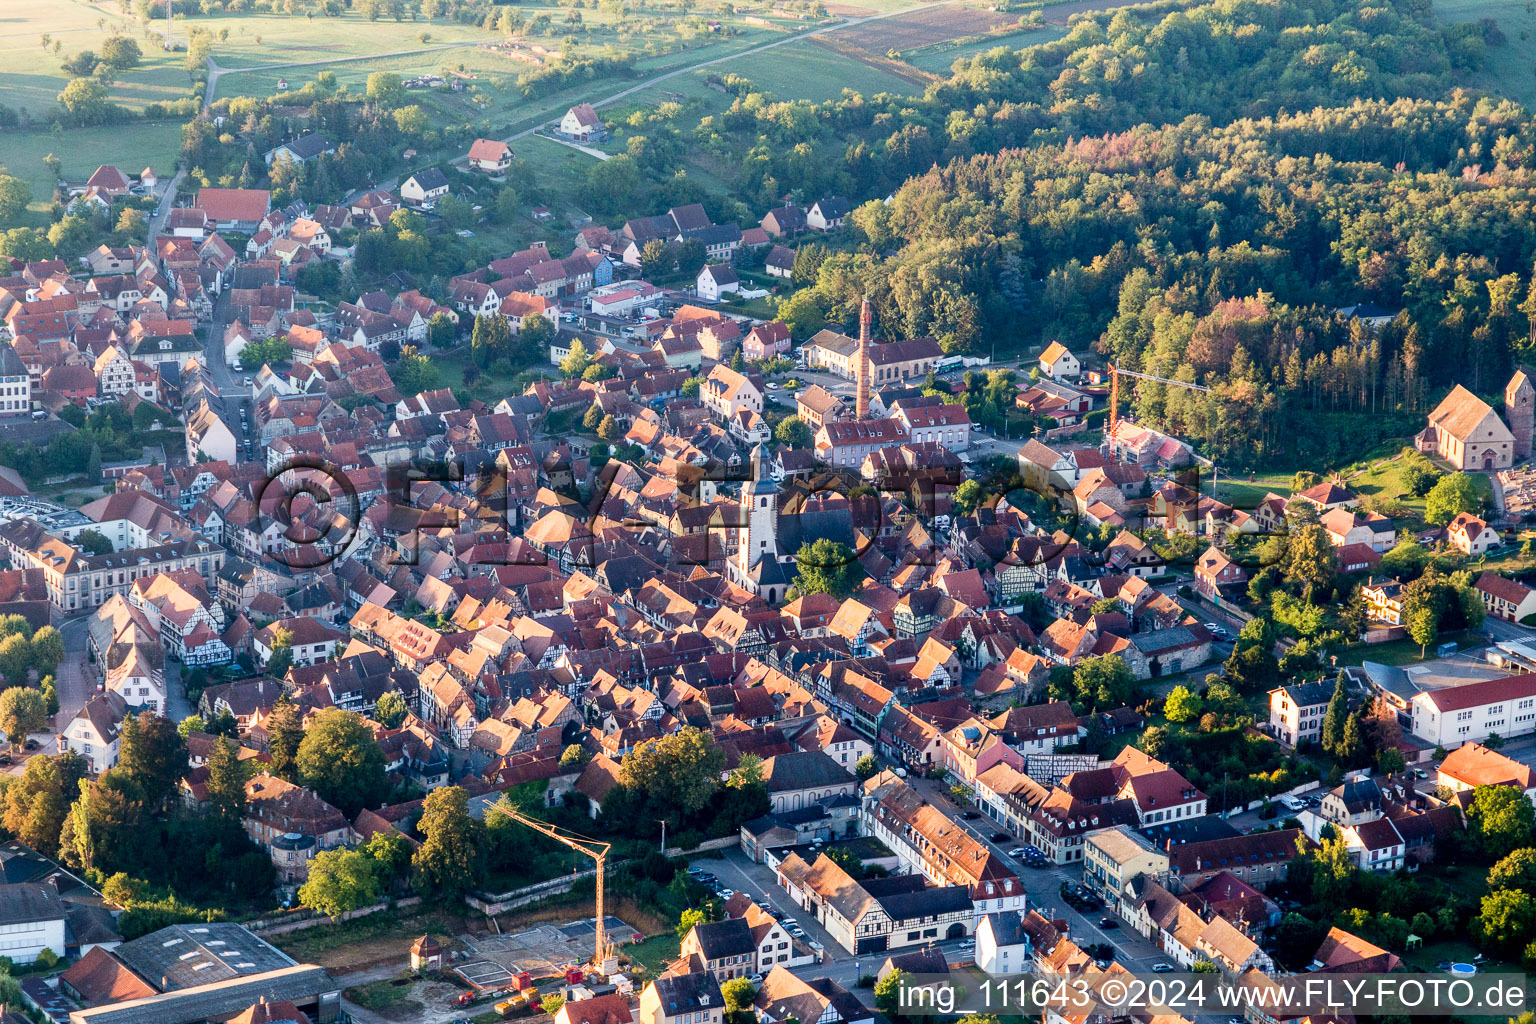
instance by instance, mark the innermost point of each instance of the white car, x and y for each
(1162, 968)
(772, 386)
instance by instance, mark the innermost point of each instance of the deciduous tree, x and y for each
(1183, 705)
(340, 760)
(826, 567)
(1501, 817)
(23, 711)
(679, 772)
(390, 710)
(1452, 494)
(450, 861)
(340, 881)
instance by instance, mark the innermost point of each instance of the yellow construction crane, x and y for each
(593, 848)
(1114, 390)
(1114, 406)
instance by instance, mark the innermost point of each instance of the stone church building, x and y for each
(1465, 431)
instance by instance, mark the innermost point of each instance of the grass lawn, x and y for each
(1247, 493)
(1406, 652)
(655, 952)
(805, 71)
(35, 79)
(81, 150)
(1509, 66)
(264, 38)
(1383, 480)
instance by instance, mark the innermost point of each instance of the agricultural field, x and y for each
(923, 28)
(1510, 65)
(492, 96)
(806, 70)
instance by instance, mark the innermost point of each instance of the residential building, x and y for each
(1471, 535)
(716, 281)
(490, 156)
(94, 731)
(426, 186)
(1473, 765)
(724, 948)
(582, 124)
(827, 214)
(1002, 944)
(292, 823)
(1058, 361)
(1505, 598)
(682, 998)
(1115, 859)
(1296, 711)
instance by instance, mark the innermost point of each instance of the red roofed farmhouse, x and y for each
(490, 156)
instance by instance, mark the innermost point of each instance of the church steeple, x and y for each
(861, 368)
(758, 541)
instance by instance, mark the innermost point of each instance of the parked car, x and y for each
(1000, 837)
(1017, 851)
(1108, 922)
(1162, 968)
(971, 815)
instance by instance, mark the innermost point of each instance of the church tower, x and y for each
(861, 367)
(1520, 412)
(757, 548)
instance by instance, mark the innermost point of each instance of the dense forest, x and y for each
(1193, 192)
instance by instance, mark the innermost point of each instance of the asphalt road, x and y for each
(167, 204)
(75, 677)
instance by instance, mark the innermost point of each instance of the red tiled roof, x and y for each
(1491, 691)
(234, 203)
